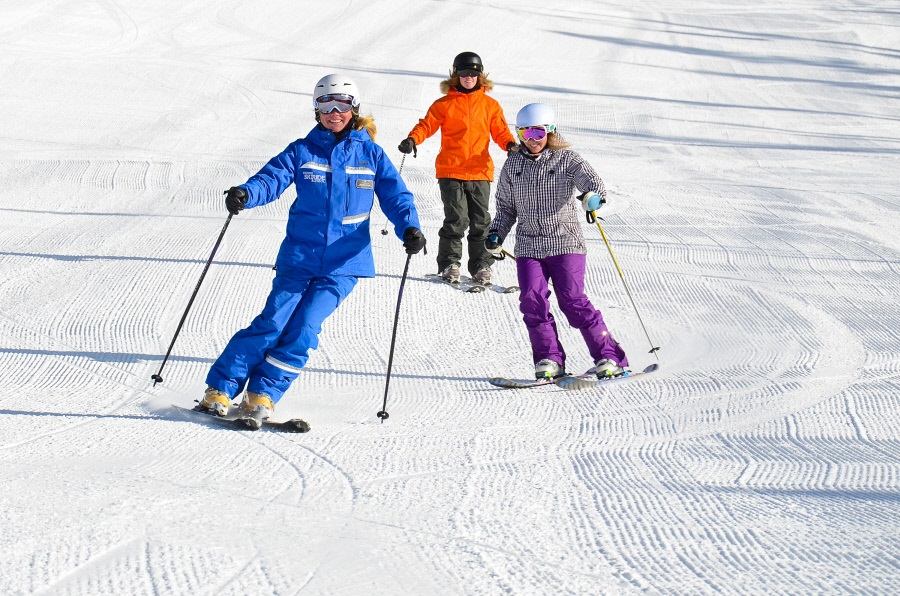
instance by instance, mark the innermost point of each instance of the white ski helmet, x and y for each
(335, 83)
(536, 114)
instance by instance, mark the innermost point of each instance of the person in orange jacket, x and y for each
(468, 119)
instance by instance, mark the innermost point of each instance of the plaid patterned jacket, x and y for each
(539, 194)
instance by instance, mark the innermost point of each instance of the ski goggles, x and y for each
(535, 133)
(467, 72)
(337, 101)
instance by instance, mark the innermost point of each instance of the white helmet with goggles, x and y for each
(335, 92)
(536, 114)
(535, 121)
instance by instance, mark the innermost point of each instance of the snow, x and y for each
(751, 154)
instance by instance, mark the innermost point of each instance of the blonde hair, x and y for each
(556, 142)
(367, 122)
(453, 81)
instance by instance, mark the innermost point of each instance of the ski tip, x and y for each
(505, 383)
(500, 382)
(296, 425)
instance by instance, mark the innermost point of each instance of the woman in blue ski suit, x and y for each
(337, 169)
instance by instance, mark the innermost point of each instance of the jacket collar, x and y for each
(542, 156)
(455, 91)
(325, 138)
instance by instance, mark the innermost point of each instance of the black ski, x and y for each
(244, 422)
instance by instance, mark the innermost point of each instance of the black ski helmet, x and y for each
(469, 60)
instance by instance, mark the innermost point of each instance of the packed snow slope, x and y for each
(751, 154)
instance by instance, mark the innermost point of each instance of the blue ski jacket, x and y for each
(336, 182)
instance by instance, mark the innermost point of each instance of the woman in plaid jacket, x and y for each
(536, 189)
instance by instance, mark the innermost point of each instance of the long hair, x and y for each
(453, 81)
(556, 142)
(366, 122)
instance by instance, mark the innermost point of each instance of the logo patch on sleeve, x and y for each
(366, 184)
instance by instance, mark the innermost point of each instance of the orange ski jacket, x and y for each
(468, 122)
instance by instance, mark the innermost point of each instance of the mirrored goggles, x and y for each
(337, 101)
(535, 133)
(467, 72)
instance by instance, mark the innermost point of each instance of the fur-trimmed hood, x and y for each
(453, 81)
(367, 123)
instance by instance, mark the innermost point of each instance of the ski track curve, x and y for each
(744, 150)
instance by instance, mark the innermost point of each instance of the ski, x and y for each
(507, 383)
(591, 381)
(245, 422)
(468, 285)
(503, 289)
(582, 381)
(463, 285)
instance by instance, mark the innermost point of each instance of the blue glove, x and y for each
(492, 244)
(591, 201)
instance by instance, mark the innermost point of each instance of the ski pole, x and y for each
(384, 231)
(157, 378)
(596, 219)
(387, 383)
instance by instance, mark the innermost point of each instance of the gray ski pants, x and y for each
(466, 207)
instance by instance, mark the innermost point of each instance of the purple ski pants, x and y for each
(567, 274)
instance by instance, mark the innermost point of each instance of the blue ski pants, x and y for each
(267, 356)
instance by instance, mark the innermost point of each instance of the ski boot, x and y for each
(547, 369)
(451, 273)
(483, 277)
(607, 369)
(255, 408)
(214, 402)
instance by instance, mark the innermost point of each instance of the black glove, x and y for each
(511, 148)
(408, 145)
(235, 200)
(413, 240)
